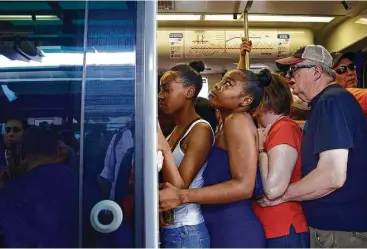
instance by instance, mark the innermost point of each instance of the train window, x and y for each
(77, 94)
(205, 90)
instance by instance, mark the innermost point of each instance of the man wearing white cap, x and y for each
(333, 151)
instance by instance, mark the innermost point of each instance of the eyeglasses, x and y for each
(14, 129)
(290, 73)
(343, 69)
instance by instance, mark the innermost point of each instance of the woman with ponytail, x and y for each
(185, 153)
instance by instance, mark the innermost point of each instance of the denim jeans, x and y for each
(292, 240)
(185, 237)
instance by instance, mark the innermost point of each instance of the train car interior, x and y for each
(87, 70)
(211, 31)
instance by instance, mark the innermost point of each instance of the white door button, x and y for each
(106, 205)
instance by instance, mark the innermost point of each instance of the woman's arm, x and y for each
(199, 143)
(242, 149)
(276, 169)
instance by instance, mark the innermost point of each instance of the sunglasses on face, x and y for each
(344, 69)
(290, 73)
(14, 129)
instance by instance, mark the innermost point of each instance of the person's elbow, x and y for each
(333, 165)
(178, 183)
(245, 190)
(182, 185)
(337, 179)
(275, 186)
(248, 193)
(274, 192)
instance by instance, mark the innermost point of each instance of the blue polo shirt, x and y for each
(336, 121)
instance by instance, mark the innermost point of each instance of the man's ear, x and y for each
(318, 73)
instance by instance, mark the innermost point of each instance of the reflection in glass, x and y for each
(109, 119)
(41, 71)
(40, 103)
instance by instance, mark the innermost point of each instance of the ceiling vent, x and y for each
(166, 5)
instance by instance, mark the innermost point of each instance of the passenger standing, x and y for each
(346, 75)
(333, 151)
(13, 136)
(280, 164)
(229, 178)
(39, 208)
(280, 140)
(116, 151)
(345, 69)
(190, 142)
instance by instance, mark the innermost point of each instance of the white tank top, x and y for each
(188, 214)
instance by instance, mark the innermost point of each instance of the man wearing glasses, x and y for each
(345, 69)
(334, 156)
(346, 76)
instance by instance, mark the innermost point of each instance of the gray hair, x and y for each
(325, 69)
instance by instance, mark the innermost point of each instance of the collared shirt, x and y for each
(336, 121)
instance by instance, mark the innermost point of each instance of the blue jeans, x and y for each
(185, 237)
(293, 240)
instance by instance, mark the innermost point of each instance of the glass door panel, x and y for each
(78, 104)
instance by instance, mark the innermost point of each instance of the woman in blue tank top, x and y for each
(185, 153)
(229, 178)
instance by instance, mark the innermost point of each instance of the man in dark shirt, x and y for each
(39, 208)
(334, 155)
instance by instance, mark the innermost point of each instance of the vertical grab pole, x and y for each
(245, 27)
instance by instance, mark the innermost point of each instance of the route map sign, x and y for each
(225, 44)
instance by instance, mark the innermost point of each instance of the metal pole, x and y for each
(245, 27)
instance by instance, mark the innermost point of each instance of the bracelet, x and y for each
(262, 151)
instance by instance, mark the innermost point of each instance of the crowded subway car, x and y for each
(254, 113)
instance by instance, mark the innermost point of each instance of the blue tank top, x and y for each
(230, 225)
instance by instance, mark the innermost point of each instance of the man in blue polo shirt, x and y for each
(334, 154)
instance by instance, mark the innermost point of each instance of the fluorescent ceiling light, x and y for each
(270, 18)
(27, 18)
(72, 59)
(15, 18)
(362, 21)
(175, 17)
(46, 18)
(276, 18)
(221, 17)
